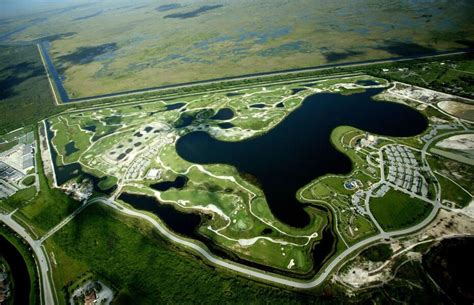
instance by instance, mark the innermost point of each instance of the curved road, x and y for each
(262, 275)
(41, 258)
(46, 287)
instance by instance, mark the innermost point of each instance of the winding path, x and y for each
(263, 275)
(41, 258)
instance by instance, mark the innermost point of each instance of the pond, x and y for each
(182, 223)
(178, 183)
(223, 114)
(67, 172)
(298, 150)
(226, 125)
(174, 106)
(71, 148)
(367, 82)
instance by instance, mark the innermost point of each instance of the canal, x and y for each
(19, 271)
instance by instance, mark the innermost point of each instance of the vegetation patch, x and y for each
(397, 210)
(378, 253)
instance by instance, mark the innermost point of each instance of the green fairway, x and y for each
(397, 210)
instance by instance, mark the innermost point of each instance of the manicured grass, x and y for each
(29, 180)
(397, 210)
(133, 257)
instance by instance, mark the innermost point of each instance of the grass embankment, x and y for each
(453, 193)
(145, 269)
(19, 199)
(49, 207)
(397, 210)
(107, 183)
(28, 180)
(28, 257)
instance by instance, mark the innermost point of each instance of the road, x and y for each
(263, 275)
(39, 250)
(66, 220)
(65, 98)
(41, 258)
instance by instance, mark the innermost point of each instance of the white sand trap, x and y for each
(291, 264)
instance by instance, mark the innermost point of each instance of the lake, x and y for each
(298, 150)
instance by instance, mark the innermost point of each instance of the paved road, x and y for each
(263, 275)
(42, 262)
(248, 76)
(66, 220)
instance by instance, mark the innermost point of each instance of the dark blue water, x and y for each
(223, 114)
(187, 224)
(298, 150)
(296, 90)
(182, 223)
(257, 106)
(174, 106)
(90, 128)
(71, 148)
(178, 183)
(367, 82)
(19, 271)
(53, 72)
(225, 125)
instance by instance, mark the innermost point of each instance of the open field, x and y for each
(25, 96)
(397, 210)
(141, 45)
(144, 267)
(452, 193)
(448, 75)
